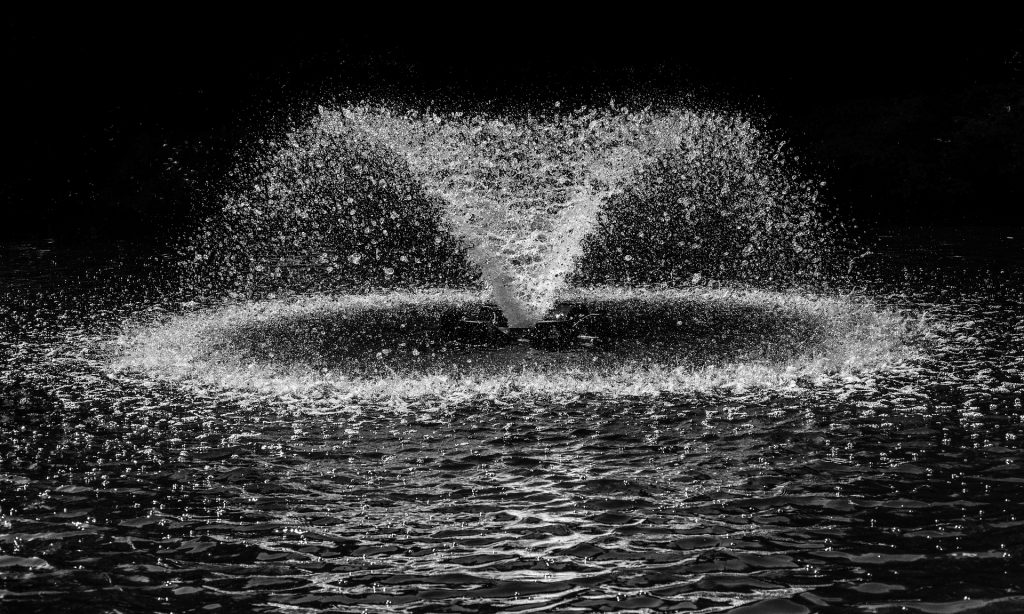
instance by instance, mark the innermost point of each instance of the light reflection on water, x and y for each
(892, 489)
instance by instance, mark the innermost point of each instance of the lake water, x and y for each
(899, 489)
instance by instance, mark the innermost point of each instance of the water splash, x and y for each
(342, 349)
(369, 197)
(522, 192)
(350, 450)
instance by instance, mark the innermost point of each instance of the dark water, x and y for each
(899, 491)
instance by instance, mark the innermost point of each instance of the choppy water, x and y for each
(896, 490)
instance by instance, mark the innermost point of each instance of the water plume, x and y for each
(371, 197)
(522, 193)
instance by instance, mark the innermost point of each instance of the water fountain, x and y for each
(519, 203)
(522, 194)
(299, 418)
(590, 209)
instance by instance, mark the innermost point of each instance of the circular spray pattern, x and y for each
(516, 210)
(417, 344)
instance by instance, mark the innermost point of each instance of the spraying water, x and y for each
(520, 205)
(417, 218)
(522, 193)
(303, 423)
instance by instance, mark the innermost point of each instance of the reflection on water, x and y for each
(890, 491)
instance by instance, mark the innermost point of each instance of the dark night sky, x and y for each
(120, 129)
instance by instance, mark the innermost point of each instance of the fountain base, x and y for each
(568, 325)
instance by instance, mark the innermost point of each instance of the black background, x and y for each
(126, 127)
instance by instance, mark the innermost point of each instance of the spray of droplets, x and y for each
(521, 205)
(407, 345)
(522, 193)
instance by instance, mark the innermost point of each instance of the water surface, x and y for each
(897, 490)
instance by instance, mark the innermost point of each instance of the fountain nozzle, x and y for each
(566, 325)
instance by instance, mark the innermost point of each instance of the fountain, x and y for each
(301, 417)
(522, 204)
(377, 252)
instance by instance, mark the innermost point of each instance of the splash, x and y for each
(403, 345)
(369, 198)
(522, 193)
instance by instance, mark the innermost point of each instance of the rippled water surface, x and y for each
(897, 490)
